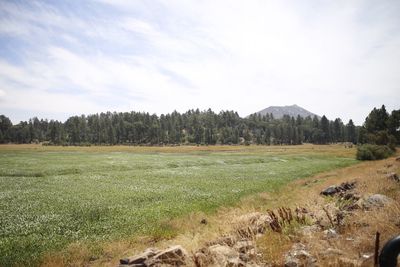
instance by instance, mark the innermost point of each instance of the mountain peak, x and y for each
(293, 111)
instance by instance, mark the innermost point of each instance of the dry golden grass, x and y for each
(358, 235)
(271, 245)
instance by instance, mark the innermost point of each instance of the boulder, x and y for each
(330, 191)
(175, 255)
(222, 255)
(334, 189)
(200, 259)
(139, 260)
(299, 256)
(375, 201)
(393, 176)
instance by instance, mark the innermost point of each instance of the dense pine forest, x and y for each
(196, 127)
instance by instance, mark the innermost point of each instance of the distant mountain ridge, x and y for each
(279, 111)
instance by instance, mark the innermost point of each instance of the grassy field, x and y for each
(53, 196)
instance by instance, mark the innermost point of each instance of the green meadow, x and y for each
(52, 197)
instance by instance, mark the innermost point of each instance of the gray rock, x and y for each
(299, 256)
(334, 189)
(375, 201)
(330, 191)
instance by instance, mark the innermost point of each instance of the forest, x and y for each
(201, 128)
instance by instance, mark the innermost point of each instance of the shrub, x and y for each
(373, 152)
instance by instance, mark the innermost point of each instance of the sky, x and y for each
(64, 58)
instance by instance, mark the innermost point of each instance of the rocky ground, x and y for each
(330, 220)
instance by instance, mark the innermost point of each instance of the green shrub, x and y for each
(373, 152)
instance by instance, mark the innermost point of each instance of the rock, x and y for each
(302, 254)
(244, 257)
(291, 263)
(225, 240)
(141, 258)
(200, 259)
(375, 201)
(330, 191)
(235, 263)
(330, 233)
(221, 255)
(393, 176)
(299, 256)
(309, 229)
(175, 255)
(347, 186)
(334, 189)
(243, 246)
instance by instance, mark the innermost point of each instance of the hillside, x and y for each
(293, 110)
(302, 224)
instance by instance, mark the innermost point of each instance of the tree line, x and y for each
(381, 128)
(192, 127)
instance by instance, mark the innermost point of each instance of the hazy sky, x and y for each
(338, 58)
